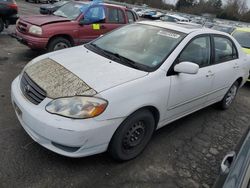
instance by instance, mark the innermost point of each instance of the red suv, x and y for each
(73, 24)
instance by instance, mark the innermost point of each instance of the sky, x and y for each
(224, 1)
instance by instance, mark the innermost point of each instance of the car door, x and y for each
(93, 24)
(225, 68)
(115, 18)
(189, 92)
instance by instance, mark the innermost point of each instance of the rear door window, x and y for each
(115, 15)
(225, 50)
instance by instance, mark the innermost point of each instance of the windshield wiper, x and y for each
(101, 50)
(125, 60)
(116, 56)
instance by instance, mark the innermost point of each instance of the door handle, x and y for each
(236, 66)
(209, 74)
(102, 27)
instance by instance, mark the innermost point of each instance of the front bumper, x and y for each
(31, 41)
(65, 136)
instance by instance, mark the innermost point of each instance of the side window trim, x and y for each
(233, 48)
(171, 71)
(130, 12)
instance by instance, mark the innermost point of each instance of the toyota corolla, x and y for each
(113, 93)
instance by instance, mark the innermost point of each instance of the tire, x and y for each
(1, 25)
(229, 97)
(58, 44)
(132, 136)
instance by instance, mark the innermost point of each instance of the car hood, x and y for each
(78, 71)
(40, 20)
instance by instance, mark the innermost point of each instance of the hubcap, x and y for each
(134, 135)
(231, 95)
(60, 45)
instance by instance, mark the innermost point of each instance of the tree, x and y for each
(246, 17)
(184, 4)
(234, 10)
(215, 3)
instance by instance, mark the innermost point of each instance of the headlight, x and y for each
(78, 107)
(35, 30)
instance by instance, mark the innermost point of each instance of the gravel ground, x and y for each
(186, 153)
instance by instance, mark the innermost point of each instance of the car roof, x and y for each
(99, 3)
(183, 28)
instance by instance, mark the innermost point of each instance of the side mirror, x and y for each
(187, 68)
(227, 162)
(82, 22)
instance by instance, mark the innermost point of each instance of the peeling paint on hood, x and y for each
(56, 80)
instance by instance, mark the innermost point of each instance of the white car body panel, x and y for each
(126, 90)
(92, 68)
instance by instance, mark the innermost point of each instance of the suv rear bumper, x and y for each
(12, 19)
(31, 41)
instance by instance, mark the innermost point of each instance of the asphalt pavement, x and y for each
(186, 153)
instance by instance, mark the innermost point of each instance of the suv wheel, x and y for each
(229, 97)
(132, 136)
(1, 25)
(58, 43)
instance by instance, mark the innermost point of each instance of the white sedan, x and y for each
(113, 93)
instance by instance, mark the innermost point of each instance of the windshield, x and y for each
(144, 45)
(71, 10)
(243, 38)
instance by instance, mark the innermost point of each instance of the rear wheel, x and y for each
(58, 43)
(132, 136)
(229, 97)
(1, 25)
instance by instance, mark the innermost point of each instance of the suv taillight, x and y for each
(13, 6)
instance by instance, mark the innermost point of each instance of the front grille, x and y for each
(31, 90)
(22, 27)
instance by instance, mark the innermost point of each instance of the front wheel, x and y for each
(1, 25)
(229, 97)
(58, 43)
(132, 136)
